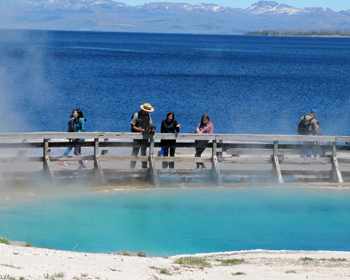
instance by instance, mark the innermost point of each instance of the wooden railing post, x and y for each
(219, 154)
(152, 164)
(97, 164)
(46, 159)
(336, 174)
(104, 152)
(275, 163)
(215, 165)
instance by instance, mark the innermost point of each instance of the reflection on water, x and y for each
(168, 221)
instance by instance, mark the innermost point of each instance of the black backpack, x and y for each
(304, 126)
(139, 122)
(138, 113)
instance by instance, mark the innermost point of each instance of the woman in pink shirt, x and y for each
(205, 127)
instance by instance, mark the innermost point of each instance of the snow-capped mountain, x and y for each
(108, 15)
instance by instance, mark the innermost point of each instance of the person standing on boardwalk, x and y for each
(204, 127)
(139, 122)
(69, 148)
(308, 125)
(169, 125)
(79, 126)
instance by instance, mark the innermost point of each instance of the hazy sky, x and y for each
(336, 5)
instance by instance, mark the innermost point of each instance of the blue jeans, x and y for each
(67, 151)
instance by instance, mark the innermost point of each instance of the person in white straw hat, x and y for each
(139, 122)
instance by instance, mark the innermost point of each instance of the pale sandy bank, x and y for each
(35, 263)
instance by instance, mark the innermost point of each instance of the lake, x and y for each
(246, 84)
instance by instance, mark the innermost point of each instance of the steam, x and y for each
(24, 90)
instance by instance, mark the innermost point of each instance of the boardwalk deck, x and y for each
(228, 157)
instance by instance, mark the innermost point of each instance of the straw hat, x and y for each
(147, 107)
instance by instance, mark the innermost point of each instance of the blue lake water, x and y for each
(258, 85)
(170, 221)
(246, 84)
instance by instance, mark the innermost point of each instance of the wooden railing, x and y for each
(231, 157)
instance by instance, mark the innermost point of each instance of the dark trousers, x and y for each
(199, 152)
(135, 151)
(77, 149)
(168, 145)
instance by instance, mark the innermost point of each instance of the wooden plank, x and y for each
(159, 136)
(71, 158)
(301, 174)
(129, 173)
(34, 145)
(271, 138)
(188, 173)
(306, 161)
(246, 159)
(183, 159)
(123, 158)
(156, 158)
(26, 159)
(262, 174)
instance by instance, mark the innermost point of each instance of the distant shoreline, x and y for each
(301, 33)
(320, 36)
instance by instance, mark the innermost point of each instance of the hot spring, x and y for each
(181, 220)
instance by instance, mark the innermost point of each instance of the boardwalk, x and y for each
(27, 157)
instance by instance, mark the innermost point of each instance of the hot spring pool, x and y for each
(170, 221)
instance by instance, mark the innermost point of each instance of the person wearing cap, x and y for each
(139, 122)
(312, 129)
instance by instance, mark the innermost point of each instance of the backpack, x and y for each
(304, 126)
(134, 115)
(138, 122)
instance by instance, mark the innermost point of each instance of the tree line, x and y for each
(299, 32)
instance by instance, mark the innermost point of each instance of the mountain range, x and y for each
(165, 17)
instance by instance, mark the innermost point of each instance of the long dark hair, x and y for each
(204, 117)
(80, 113)
(170, 113)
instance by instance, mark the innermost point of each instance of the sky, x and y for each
(335, 5)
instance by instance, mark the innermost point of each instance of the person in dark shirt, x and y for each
(169, 125)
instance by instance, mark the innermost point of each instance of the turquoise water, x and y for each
(185, 220)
